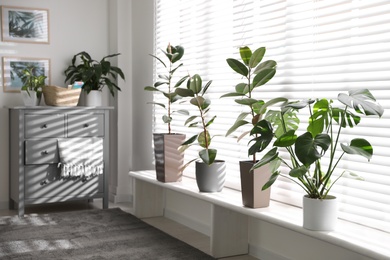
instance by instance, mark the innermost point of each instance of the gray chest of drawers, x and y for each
(35, 177)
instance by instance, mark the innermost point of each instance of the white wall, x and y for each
(73, 28)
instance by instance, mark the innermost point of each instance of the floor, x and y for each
(179, 231)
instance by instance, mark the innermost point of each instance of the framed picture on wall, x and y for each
(20, 24)
(13, 71)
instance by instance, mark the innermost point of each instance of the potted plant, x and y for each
(94, 75)
(168, 159)
(210, 173)
(33, 82)
(256, 73)
(307, 165)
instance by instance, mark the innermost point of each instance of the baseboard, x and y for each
(186, 221)
(264, 254)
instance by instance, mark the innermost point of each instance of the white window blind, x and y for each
(321, 47)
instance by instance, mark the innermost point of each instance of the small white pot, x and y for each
(30, 100)
(93, 98)
(320, 215)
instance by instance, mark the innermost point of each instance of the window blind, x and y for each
(322, 48)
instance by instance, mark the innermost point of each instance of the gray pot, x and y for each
(252, 183)
(210, 178)
(169, 161)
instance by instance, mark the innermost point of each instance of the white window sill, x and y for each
(357, 238)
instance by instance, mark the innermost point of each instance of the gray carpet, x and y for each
(89, 234)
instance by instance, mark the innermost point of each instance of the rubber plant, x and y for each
(165, 86)
(95, 74)
(196, 91)
(256, 73)
(307, 165)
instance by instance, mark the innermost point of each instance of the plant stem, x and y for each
(169, 99)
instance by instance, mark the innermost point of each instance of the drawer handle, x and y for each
(86, 125)
(43, 182)
(44, 152)
(44, 126)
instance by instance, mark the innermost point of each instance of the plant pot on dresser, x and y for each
(35, 134)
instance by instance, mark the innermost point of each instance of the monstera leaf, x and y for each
(306, 147)
(362, 101)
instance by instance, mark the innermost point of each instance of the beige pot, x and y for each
(169, 160)
(251, 184)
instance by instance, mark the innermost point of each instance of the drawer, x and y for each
(51, 125)
(86, 125)
(44, 181)
(41, 151)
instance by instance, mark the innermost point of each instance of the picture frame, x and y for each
(13, 67)
(25, 25)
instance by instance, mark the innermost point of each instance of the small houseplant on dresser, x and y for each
(210, 173)
(95, 75)
(168, 159)
(33, 82)
(256, 73)
(308, 166)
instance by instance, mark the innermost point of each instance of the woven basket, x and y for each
(61, 97)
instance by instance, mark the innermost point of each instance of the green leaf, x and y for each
(320, 118)
(236, 125)
(343, 117)
(181, 81)
(206, 87)
(232, 94)
(149, 88)
(242, 88)
(173, 71)
(158, 104)
(204, 139)
(173, 97)
(246, 101)
(298, 172)
(257, 106)
(178, 52)
(157, 58)
(195, 83)
(183, 92)
(270, 156)
(159, 83)
(269, 64)
(362, 101)
(257, 57)
(238, 67)
(263, 77)
(296, 104)
(359, 146)
(263, 129)
(210, 121)
(208, 155)
(190, 119)
(271, 180)
(167, 119)
(190, 140)
(183, 112)
(287, 139)
(306, 147)
(245, 54)
(272, 102)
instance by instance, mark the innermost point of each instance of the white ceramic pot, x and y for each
(30, 100)
(93, 98)
(320, 215)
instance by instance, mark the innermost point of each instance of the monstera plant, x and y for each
(308, 166)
